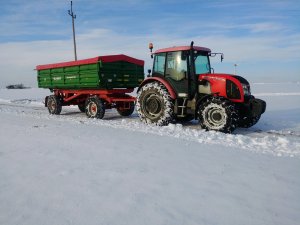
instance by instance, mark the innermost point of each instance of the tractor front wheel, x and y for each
(154, 104)
(94, 107)
(218, 114)
(54, 104)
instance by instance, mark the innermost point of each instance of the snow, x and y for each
(69, 169)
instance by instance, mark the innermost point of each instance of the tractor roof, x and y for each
(182, 48)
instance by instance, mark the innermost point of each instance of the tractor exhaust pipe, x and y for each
(192, 78)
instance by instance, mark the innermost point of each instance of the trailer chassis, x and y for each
(92, 101)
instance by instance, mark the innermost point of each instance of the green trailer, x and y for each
(94, 84)
(102, 72)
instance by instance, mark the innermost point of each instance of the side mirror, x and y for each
(214, 54)
(149, 73)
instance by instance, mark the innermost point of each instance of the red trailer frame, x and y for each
(111, 97)
(93, 102)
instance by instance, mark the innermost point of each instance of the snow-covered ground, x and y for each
(68, 169)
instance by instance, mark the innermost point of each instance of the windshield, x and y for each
(202, 64)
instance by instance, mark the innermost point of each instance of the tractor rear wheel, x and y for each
(124, 111)
(54, 104)
(154, 104)
(94, 107)
(218, 114)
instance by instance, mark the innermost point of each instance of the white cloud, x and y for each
(265, 27)
(17, 60)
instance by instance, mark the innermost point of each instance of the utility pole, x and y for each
(235, 65)
(73, 17)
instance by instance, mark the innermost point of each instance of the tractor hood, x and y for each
(232, 86)
(222, 77)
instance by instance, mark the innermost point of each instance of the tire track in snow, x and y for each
(278, 94)
(277, 143)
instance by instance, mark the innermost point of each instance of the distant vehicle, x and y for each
(16, 86)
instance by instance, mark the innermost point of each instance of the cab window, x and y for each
(159, 64)
(176, 67)
(202, 64)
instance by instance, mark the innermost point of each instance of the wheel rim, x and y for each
(153, 105)
(93, 109)
(52, 105)
(215, 116)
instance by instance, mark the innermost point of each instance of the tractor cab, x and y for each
(179, 67)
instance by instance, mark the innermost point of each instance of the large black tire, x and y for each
(154, 104)
(247, 122)
(54, 104)
(81, 107)
(94, 107)
(125, 112)
(218, 114)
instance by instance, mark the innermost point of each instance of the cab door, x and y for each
(176, 71)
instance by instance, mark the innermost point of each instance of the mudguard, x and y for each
(164, 82)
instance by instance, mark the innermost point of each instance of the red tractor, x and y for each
(183, 87)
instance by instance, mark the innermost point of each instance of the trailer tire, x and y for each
(154, 104)
(54, 104)
(218, 114)
(94, 107)
(81, 107)
(126, 112)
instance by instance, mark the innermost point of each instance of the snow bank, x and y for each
(24, 96)
(277, 133)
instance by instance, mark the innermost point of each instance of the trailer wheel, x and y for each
(54, 104)
(218, 114)
(81, 107)
(154, 104)
(247, 122)
(125, 112)
(94, 107)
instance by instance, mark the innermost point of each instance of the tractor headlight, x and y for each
(246, 89)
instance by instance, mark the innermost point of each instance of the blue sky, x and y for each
(262, 37)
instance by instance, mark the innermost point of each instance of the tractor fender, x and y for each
(162, 81)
